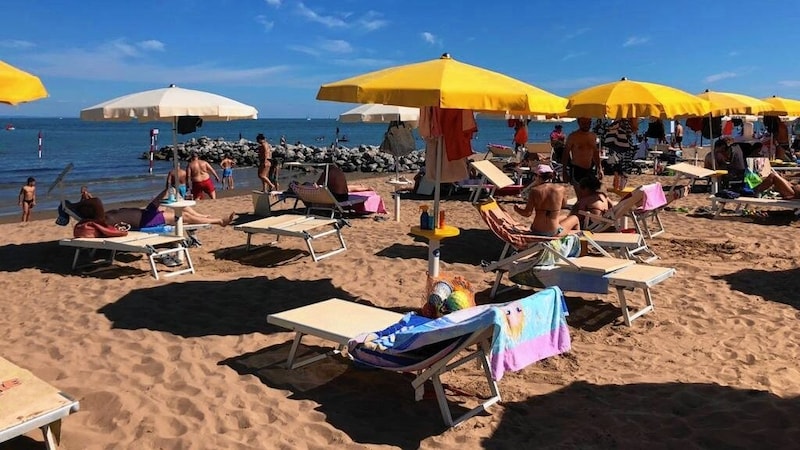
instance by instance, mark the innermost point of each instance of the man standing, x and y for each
(179, 183)
(557, 140)
(679, 134)
(582, 157)
(199, 174)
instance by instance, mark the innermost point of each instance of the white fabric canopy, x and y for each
(378, 113)
(168, 103)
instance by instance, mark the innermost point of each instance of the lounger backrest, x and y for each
(505, 227)
(492, 174)
(317, 195)
(497, 151)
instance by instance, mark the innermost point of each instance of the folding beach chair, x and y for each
(308, 228)
(29, 403)
(431, 347)
(321, 198)
(653, 200)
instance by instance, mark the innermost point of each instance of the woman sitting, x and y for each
(590, 200)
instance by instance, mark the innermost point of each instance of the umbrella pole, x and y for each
(433, 245)
(175, 162)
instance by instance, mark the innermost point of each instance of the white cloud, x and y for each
(790, 83)
(733, 53)
(273, 3)
(636, 40)
(118, 61)
(304, 49)
(430, 38)
(311, 15)
(575, 33)
(16, 43)
(572, 55)
(720, 76)
(266, 23)
(151, 44)
(372, 21)
(336, 46)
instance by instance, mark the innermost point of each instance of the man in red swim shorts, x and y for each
(199, 173)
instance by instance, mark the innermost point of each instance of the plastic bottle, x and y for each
(172, 194)
(424, 218)
(441, 218)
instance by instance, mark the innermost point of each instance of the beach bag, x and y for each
(88, 228)
(445, 294)
(751, 179)
(725, 193)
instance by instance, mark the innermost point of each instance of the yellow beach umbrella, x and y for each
(18, 86)
(451, 85)
(726, 103)
(632, 99)
(783, 106)
(445, 83)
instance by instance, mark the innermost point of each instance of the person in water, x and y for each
(546, 198)
(227, 164)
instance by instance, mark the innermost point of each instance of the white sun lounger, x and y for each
(297, 226)
(742, 202)
(321, 198)
(334, 320)
(30, 405)
(135, 242)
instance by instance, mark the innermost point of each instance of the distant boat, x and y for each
(308, 118)
(344, 138)
(10, 127)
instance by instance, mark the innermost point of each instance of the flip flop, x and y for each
(8, 384)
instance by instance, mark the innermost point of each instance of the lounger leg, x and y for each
(293, 352)
(442, 400)
(75, 259)
(153, 268)
(249, 237)
(311, 249)
(626, 314)
(52, 435)
(293, 363)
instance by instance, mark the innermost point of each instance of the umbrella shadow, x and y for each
(470, 247)
(49, 257)
(779, 286)
(203, 308)
(671, 415)
(384, 413)
(264, 256)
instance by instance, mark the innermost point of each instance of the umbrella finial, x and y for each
(707, 90)
(446, 56)
(173, 85)
(623, 79)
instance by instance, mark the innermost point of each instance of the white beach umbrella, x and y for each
(378, 113)
(168, 104)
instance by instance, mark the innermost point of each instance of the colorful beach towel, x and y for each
(654, 197)
(524, 331)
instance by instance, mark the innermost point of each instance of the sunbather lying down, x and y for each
(785, 188)
(153, 215)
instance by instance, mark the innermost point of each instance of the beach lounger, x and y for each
(135, 242)
(689, 172)
(505, 338)
(30, 403)
(321, 198)
(640, 205)
(307, 228)
(743, 202)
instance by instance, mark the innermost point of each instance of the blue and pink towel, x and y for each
(524, 331)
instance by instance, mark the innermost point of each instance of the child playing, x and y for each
(227, 164)
(27, 198)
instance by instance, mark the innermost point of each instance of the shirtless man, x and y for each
(679, 134)
(545, 199)
(199, 172)
(582, 157)
(227, 164)
(264, 163)
(27, 198)
(180, 183)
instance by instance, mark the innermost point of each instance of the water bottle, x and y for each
(441, 218)
(172, 194)
(424, 218)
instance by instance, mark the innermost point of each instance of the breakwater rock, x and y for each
(363, 158)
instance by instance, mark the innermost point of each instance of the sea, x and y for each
(107, 157)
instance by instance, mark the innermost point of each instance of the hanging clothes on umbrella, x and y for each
(455, 127)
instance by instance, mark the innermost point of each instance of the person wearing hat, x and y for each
(558, 140)
(545, 201)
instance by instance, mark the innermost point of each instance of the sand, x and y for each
(190, 362)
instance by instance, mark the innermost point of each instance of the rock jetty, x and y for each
(364, 158)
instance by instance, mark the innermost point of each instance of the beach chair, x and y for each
(308, 228)
(640, 206)
(321, 198)
(504, 338)
(135, 242)
(28, 403)
(690, 173)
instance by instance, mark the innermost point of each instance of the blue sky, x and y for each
(274, 54)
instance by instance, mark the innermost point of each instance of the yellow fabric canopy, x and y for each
(445, 83)
(633, 99)
(783, 106)
(726, 103)
(18, 86)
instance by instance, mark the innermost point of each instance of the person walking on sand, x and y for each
(27, 198)
(227, 164)
(679, 134)
(264, 162)
(199, 173)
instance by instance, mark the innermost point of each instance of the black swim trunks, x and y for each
(579, 173)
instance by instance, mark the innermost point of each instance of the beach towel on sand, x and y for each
(525, 331)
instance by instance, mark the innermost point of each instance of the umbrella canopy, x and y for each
(632, 99)
(445, 83)
(378, 113)
(18, 86)
(726, 103)
(783, 106)
(167, 104)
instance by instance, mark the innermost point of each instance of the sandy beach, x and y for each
(190, 361)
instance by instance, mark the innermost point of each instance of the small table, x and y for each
(434, 237)
(178, 206)
(398, 184)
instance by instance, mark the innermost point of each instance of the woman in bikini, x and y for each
(546, 199)
(590, 200)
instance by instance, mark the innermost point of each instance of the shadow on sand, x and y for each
(471, 247)
(780, 286)
(202, 308)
